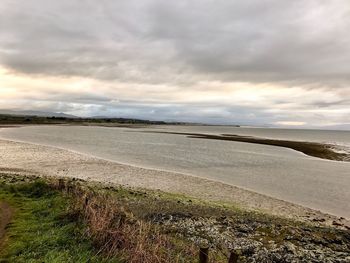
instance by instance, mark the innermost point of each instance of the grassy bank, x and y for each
(74, 223)
(41, 229)
(57, 220)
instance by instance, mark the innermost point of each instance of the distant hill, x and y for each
(40, 117)
(37, 113)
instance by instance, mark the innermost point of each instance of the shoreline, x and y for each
(51, 161)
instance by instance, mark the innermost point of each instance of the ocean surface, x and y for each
(278, 172)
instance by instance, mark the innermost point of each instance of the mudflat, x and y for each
(315, 149)
(22, 158)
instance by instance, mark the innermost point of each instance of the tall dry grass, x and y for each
(117, 233)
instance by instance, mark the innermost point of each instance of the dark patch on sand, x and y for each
(315, 149)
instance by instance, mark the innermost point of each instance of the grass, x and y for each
(57, 220)
(52, 223)
(41, 230)
(117, 231)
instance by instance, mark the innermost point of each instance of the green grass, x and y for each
(41, 229)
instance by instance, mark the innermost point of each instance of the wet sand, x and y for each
(319, 150)
(9, 126)
(24, 158)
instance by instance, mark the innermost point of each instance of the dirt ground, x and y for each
(5, 218)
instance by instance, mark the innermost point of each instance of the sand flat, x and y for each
(21, 157)
(277, 172)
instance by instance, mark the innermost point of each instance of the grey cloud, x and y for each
(337, 103)
(157, 41)
(101, 40)
(263, 40)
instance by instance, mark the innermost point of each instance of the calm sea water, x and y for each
(274, 171)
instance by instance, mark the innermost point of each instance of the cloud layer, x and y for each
(251, 62)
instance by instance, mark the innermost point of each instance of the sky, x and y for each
(249, 62)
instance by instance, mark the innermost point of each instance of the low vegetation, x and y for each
(57, 220)
(102, 121)
(41, 230)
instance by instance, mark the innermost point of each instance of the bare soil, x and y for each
(6, 214)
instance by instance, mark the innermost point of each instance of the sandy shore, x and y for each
(48, 161)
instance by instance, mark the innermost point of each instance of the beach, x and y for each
(25, 158)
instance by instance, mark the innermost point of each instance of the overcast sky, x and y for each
(260, 62)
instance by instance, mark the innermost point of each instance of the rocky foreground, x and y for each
(256, 237)
(263, 241)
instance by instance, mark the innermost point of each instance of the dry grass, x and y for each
(117, 233)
